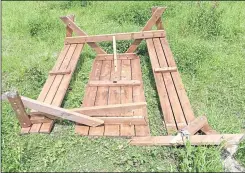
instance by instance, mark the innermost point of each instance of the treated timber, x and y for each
(150, 23)
(60, 72)
(19, 109)
(60, 112)
(138, 96)
(80, 32)
(162, 90)
(130, 120)
(195, 125)
(114, 83)
(110, 109)
(114, 52)
(90, 96)
(165, 70)
(194, 140)
(118, 36)
(125, 56)
(68, 29)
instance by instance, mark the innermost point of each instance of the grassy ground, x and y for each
(208, 44)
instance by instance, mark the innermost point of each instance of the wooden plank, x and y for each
(194, 140)
(117, 36)
(114, 52)
(102, 96)
(165, 70)
(126, 97)
(80, 32)
(60, 72)
(60, 112)
(130, 120)
(194, 126)
(68, 29)
(19, 109)
(159, 21)
(161, 89)
(172, 94)
(90, 95)
(114, 98)
(110, 109)
(150, 23)
(102, 83)
(122, 56)
(64, 84)
(46, 127)
(138, 96)
(185, 103)
(35, 128)
(25, 130)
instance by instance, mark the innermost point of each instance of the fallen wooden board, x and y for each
(194, 140)
(118, 36)
(60, 72)
(114, 83)
(60, 112)
(108, 110)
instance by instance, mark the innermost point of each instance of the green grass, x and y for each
(208, 44)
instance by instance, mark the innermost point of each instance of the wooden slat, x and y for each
(60, 112)
(90, 95)
(165, 70)
(194, 126)
(161, 89)
(172, 94)
(102, 57)
(185, 103)
(102, 83)
(19, 109)
(151, 22)
(102, 96)
(25, 130)
(35, 128)
(110, 109)
(61, 72)
(126, 97)
(80, 32)
(118, 36)
(194, 140)
(114, 98)
(138, 96)
(114, 52)
(130, 121)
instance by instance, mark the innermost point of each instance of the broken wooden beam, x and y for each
(118, 36)
(108, 110)
(165, 69)
(194, 140)
(60, 112)
(114, 83)
(19, 109)
(60, 72)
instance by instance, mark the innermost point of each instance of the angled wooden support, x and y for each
(194, 140)
(60, 112)
(159, 21)
(114, 83)
(132, 120)
(151, 22)
(18, 106)
(60, 72)
(80, 32)
(69, 31)
(108, 110)
(118, 36)
(165, 70)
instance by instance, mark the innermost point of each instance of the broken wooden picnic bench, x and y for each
(114, 102)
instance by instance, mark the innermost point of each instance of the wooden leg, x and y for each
(18, 107)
